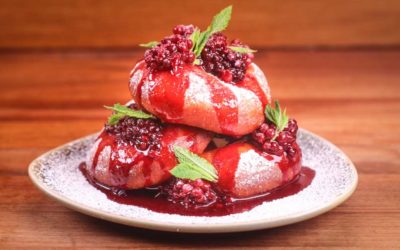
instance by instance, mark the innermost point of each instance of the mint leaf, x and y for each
(114, 118)
(277, 117)
(197, 61)
(184, 171)
(192, 166)
(121, 111)
(195, 37)
(201, 42)
(149, 44)
(221, 20)
(242, 50)
(218, 24)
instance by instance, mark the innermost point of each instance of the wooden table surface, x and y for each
(351, 97)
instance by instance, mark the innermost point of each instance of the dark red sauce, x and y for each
(167, 99)
(251, 83)
(119, 170)
(151, 199)
(120, 174)
(226, 159)
(169, 105)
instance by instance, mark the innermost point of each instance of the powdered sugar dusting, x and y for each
(256, 174)
(146, 89)
(136, 78)
(91, 153)
(197, 91)
(198, 101)
(58, 171)
(249, 107)
(101, 169)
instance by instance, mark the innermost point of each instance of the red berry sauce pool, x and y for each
(152, 200)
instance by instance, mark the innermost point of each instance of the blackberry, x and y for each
(219, 60)
(292, 127)
(265, 137)
(272, 147)
(183, 30)
(172, 52)
(144, 134)
(190, 193)
(249, 56)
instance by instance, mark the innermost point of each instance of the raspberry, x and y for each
(282, 142)
(144, 134)
(219, 60)
(189, 193)
(173, 51)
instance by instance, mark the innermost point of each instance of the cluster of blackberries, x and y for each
(221, 61)
(270, 142)
(144, 134)
(173, 51)
(190, 193)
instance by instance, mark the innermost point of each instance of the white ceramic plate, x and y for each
(56, 173)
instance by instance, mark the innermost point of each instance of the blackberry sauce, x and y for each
(151, 198)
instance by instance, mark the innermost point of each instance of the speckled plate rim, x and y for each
(195, 227)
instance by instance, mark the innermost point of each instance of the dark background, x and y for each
(117, 24)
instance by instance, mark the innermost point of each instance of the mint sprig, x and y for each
(195, 37)
(120, 111)
(192, 167)
(242, 50)
(218, 24)
(149, 44)
(277, 117)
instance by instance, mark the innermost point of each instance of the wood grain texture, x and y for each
(351, 98)
(125, 23)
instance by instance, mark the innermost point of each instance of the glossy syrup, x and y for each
(169, 105)
(152, 200)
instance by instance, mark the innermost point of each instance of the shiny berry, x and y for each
(263, 127)
(292, 127)
(291, 152)
(144, 134)
(189, 193)
(186, 188)
(273, 148)
(272, 142)
(259, 137)
(270, 133)
(183, 29)
(285, 137)
(172, 51)
(219, 60)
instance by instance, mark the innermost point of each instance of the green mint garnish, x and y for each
(277, 117)
(192, 166)
(197, 61)
(242, 50)
(218, 24)
(199, 39)
(149, 44)
(120, 111)
(195, 38)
